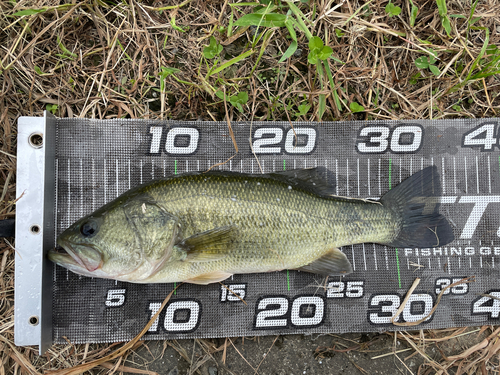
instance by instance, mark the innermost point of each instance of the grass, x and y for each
(179, 60)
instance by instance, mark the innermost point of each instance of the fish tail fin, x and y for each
(415, 203)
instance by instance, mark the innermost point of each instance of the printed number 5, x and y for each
(116, 297)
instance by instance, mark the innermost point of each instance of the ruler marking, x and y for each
(493, 262)
(408, 263)
(477, 175)
(439, 262)
(198, 165)
(116, 168)
(56, 199)
(305, 163)
(400, 170)
(470, 262)
(364, 256)
(251, 166)
(93, 185)
(368, 169)
(386, 259)
(411, 166)
(443, 176)
(152, 170)
(141, 172)
(489, 174)
(164, 168)
(230, 165)
(105, 183)
(357, 168)
(459, 263)
(315, 163)
(429, 259)
(465, 169)
(129, 177)
(187, 165)
(337, 176)
(274, 166)
(455, 174)
(353, 259)
(449, 266)
(481, 261)
(347, 176)
(81, 187)
(294, 163)
(375, 257)
(69, 193)
(379, 180)
(421, 163)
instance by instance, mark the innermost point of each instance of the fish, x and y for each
(202, 228)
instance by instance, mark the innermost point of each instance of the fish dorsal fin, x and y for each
(207, 278)
(332, 263)
(318, 180)
(210, 245)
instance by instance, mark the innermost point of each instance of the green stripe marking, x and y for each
(397, 262)
(397, 254)
(175, 288)
(390, 174)
(284, 163)
(175, 166)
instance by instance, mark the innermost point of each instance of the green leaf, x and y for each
(38, 70)
(355, 107)
(213, 49)
(414, 79)
(435, 70)
(220, 95)
(456, 107)
(66, 52)
(52, 108)
(239, 100)
(312, 57)
(432, 57)
(413, 14)
(441, 4)
(422, 62)
(290, 23)
(392, 10)
(264, 20)
(289, 52)
(29, 12)
(315, 43)
(175, 27)
(339, 33)
(303, 109)
(325, 53)
(445, 21)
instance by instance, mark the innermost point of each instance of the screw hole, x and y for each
(36, 140)
(33, 320)
(35, 229)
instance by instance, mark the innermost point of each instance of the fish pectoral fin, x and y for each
(207, 278)
(332, 263)
(210, 245)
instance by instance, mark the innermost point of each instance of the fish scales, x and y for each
(279, 226)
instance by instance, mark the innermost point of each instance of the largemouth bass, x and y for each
(202, 228)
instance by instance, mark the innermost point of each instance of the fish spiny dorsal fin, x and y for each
(318, 180)
(332, 263)
(210, 245)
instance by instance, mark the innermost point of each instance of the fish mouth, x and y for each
(66, 255)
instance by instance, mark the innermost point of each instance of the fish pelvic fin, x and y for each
(208, 278)
(331, 264)
(415, 204)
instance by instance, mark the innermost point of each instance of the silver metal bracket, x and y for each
(35, 191)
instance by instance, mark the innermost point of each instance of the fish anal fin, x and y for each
(208, 278)
(332, 263)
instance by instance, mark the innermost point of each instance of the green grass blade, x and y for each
(228, 63)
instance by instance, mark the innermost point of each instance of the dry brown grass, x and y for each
(108, 65)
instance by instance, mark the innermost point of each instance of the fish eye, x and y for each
(89, 229)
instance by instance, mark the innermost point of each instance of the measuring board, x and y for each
(95, 161)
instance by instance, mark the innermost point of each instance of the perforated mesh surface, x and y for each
(98, 160)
